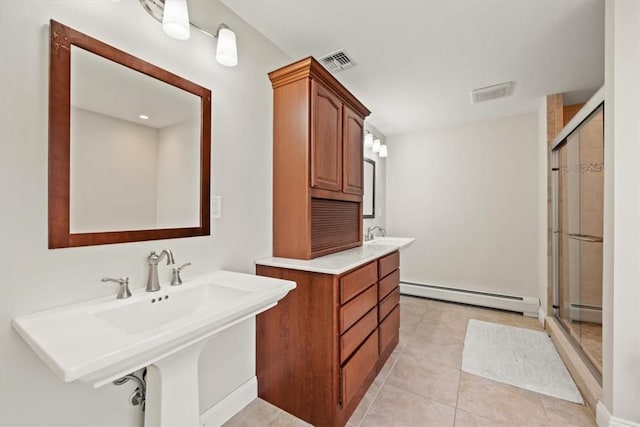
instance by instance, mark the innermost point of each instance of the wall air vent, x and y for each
(337, 61)
(492, 92)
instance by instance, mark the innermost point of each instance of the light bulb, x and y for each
(383, 151)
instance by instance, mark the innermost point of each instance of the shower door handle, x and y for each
(585, 238)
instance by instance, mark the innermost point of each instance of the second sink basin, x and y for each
(399, 242)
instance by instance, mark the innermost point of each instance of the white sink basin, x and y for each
(399, 242)
(102, 340)
(144, 315)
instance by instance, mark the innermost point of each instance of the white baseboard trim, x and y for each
(542, 317)
(526, 305)
(222, 411)
(604, 418)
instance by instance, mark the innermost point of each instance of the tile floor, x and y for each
(422, 384)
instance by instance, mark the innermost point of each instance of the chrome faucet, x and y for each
(153, 284)
(369, 236)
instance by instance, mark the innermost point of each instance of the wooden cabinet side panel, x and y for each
(297, 347)
(326, 139)
(352, 161)
(291, 210)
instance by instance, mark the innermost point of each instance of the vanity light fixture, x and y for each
(383, 151)
(175, 19)
(376, 145)
(174, 16)
(226, 51)
(368, 140)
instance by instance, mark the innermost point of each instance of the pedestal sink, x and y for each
(102, 340)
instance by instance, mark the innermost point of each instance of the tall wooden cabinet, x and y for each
(317, 162)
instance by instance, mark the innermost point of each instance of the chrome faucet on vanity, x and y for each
(369, 236)
(153, 284)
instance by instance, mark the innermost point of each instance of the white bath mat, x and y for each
(517, 356)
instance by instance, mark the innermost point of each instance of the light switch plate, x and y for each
(216, 207)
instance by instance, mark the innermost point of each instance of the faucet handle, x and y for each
(176, 280)
(124, 291)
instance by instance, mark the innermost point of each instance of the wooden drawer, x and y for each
(358, 368)
(353, 283)
(388, 263)
(388, 303)
(389, 328)
(388, 284)
(351, 339)
(352, 311)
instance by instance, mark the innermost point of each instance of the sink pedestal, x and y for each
(172, 389)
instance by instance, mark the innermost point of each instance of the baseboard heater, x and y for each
(528, 306)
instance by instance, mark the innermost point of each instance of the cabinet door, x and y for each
(326, 139)
(352, 129)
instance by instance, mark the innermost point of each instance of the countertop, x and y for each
(341, 262)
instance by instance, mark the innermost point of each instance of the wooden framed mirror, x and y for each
(369, 196)
(129, 147)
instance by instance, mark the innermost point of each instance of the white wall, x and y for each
(381, 183)
(113, 173)
(621, 277)
(469, 195)
(34, 278)
(178, 191)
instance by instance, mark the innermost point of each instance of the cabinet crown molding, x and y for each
(310, 68)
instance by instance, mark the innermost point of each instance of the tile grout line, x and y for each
(455, 414)
(544, 410)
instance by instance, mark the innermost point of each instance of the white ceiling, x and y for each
(417, 61)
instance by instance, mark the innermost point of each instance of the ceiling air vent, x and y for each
(337, 61)
(492, 92)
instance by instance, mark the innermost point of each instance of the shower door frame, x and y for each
(596, 102)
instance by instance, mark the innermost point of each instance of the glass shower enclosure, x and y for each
(578, 204)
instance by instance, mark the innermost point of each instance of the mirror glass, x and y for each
(129, 147)
(369, 197)
(135, 149)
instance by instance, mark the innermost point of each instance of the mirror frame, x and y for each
(61, 40)
(373, 191)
